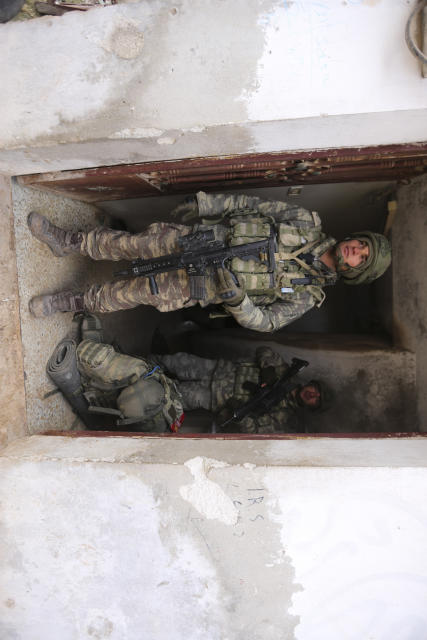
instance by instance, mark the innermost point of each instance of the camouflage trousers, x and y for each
(159, 239)
(192, 376)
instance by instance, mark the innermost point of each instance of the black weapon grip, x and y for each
(259, 403)
(153, 285)
(233, 275)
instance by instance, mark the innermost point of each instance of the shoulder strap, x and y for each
(294, 255)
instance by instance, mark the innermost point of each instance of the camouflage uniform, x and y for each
(267, 305)
(160, 238)
(134, 387)
(219, 386)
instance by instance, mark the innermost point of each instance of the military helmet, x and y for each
(378, 261)
(143, 399)
(149, 399)
(327, 396)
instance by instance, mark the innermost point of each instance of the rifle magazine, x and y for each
(198, 287)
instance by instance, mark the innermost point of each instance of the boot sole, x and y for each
(38, 225)
(32, 306)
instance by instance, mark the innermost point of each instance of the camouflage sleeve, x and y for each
(214, 204)
(274, 316)
(291, 214)
(280, 421)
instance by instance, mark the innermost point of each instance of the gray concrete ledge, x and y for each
(62, 153)
(298, 452)
(12, 392)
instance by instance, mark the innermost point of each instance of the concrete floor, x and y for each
(41, 272)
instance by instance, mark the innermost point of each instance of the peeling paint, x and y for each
(104, 75)
(166, 140)
(125, 41)
(197, 129)
(137, 132)
(207, 496)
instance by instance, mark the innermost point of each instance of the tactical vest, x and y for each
(245, 372)
(250, 226)
(229, 383)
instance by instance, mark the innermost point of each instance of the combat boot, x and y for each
(59, 241)
(41, 306)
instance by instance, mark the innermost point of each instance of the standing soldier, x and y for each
(306, 260)
(221, 386)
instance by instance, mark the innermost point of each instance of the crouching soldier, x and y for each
(221, 386)
(107, 388)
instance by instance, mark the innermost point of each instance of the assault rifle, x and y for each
(200, 252)
(268, 395)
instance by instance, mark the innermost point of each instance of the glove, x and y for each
(250, 386)
(229, 291)
(187, 210)
(268, 375)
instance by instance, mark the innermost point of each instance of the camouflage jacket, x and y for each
(229, 392)
(268, 307)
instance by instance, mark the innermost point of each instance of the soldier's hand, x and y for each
(187, 211)
(250, 386)
(230, 291)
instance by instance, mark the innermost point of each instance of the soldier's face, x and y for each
(354, 252)
(310, 396)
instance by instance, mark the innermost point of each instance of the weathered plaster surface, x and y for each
(12, 393)
(131, 66)
(164, 79)
(326, 67)
(206, 496)
(357, 543)
(112, 545)
(97, 540)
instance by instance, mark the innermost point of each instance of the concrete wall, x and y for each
(409, 280)
(147, 538)
(164, 79)
(12, 391)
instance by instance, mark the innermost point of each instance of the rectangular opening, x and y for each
(348, 340)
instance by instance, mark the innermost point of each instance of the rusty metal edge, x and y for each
(377, 152)
(236, 436)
